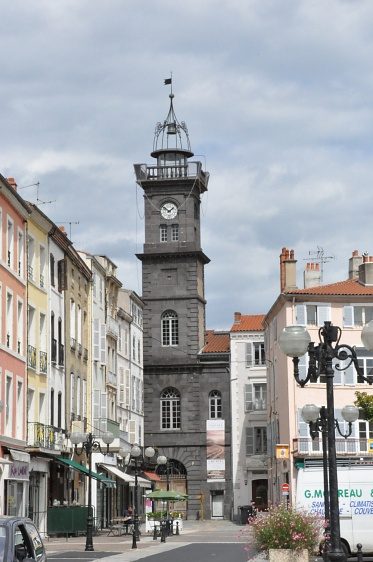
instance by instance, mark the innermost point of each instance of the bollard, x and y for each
(359, 553)
(171, 527)
(155, 532)
(177, 528)
(134, 543)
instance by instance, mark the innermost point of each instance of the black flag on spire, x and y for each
(168, 81)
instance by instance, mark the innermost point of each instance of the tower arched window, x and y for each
(215, 410)
(170, 328)
(170, 409)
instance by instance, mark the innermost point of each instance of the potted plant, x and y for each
(287, 534)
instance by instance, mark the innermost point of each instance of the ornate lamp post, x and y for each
(90, 444)
(140, 456)
(295, 341)
(318, 423)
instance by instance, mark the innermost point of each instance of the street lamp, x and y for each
(317, 420)
(295, 341)
(140, 456)
(89, 444)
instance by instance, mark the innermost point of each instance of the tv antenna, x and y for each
(318, 256)
(38, 200)
(69, 223)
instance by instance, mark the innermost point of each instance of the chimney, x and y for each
(312, 275)
(12, 182)
(366, 270)
(353, 265)
(62, 229)
(288, 271)
(237, 317)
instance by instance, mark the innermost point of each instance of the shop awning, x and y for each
(20, 456)
(152, 476)
(128, 478)
(84, 470)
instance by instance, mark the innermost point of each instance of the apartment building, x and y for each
(14, 462)
(348, 304)
(248, 371)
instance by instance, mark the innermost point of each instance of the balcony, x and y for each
(112, 327)
(42, 281)
(190, 170)
(102, 425)
(85, 354)
(112, 378)
(305, 446)
(72, 344)
(42, 436)
(54, 350)
(30, 272)
(31, 356)
(258, 405)
(80, 349)
(43, 362)
(61, 354)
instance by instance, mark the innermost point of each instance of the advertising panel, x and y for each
(215, 441)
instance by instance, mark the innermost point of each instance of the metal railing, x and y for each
(190, 170)
(102, 425)
(30, 272)
(43, 361)
(41, 280)
(313, 447)
(40, 435)
(31, 356)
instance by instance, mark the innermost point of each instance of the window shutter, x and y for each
(248, 397)
(72, 393)
(304, 435)
(348, 316)
(128, 389)
(132, 431)
(96, 339)
(96, 404)
(249, 354)
(249, 441)
(122, 389)
(300, 314)
(61, 274)
(84, 412)
(349, 375)
(323, 314)
(103, 405)
(103, 344)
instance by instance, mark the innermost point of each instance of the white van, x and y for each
(355, 491)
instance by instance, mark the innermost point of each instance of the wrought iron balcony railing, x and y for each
(43, 361)
(30, 272)
(42, 436)
(305, 446)
(31, 356)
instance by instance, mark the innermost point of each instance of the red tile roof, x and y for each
(348, 287)
(216, 342)
(248, 322)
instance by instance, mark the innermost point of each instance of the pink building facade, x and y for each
(14, 467)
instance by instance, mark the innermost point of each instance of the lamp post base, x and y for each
(336, 556)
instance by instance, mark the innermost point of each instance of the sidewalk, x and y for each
(121, 547)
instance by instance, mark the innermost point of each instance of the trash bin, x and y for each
(245, 513)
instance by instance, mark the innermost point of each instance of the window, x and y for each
(61, 276)
(9, 320)
(163, 233)
(255, 397)
(357, 315)
(174, 232)
(215, 410)
(20, 254)
(42, 267)
(170, 409)
(256, 441)
(20, 327)
(52, 407)
(10, 242)
(170, 328)
(255, 354)
(312, 314)
(30, 257)
(366, 365)
(365, 433)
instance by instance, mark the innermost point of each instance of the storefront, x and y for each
(16, 483)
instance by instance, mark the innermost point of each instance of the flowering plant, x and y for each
(286, 527)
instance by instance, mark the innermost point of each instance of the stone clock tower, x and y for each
(176, 385)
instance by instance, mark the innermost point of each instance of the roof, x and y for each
(216, 342)
(248, 322)
(348, 287)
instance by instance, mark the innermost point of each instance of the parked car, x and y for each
(20, 540)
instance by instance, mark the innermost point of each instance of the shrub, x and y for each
(283, 527)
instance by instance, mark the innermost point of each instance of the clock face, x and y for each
(169, 210)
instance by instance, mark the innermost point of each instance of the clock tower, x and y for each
(182, 384)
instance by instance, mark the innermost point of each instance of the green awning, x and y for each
(84, 470)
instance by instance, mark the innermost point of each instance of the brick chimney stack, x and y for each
(353, 265)
(312, 275)
(288, 271)
(12, 182)
(237, 317)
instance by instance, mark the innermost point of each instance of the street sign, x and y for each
(285, 487)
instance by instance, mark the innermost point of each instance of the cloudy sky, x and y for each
(277, 96)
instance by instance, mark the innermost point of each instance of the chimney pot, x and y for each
(12, 182)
